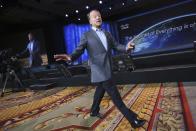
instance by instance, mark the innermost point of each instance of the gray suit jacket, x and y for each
(100, 59)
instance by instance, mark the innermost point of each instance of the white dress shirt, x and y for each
(101, 36)
(31, 46)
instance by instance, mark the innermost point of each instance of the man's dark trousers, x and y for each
(113, 92)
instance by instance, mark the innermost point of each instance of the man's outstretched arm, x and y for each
(77, 53)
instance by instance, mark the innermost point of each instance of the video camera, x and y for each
(8, 61)
(9, 66)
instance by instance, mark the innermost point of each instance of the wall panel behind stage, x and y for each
(164, 30)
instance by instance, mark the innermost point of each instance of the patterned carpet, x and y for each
(68, 109)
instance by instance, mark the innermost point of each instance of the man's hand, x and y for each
(130, 46)
(64, 57)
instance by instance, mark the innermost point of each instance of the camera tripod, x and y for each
(13, 76)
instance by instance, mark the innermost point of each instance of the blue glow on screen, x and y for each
(169, 35)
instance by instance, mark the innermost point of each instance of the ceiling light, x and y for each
(100, 2)
(66, 15)
(79, 19)
(135, 0)
(1, 6)
(123, 3)
(110, 8)
(87, 7)
(77, 11)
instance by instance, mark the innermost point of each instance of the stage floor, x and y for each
(165, 106)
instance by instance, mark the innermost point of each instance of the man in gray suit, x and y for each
(99, 44)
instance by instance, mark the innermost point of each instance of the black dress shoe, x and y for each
(97, 115)
(137, 123)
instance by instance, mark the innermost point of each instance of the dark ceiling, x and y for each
(17, 13)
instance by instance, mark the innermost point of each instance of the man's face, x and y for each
(95, 19)
(30, 36)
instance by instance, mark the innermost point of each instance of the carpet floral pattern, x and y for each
(69, 110)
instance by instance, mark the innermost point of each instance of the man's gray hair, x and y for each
(88, 15)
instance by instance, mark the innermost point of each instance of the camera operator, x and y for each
(33, 48)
